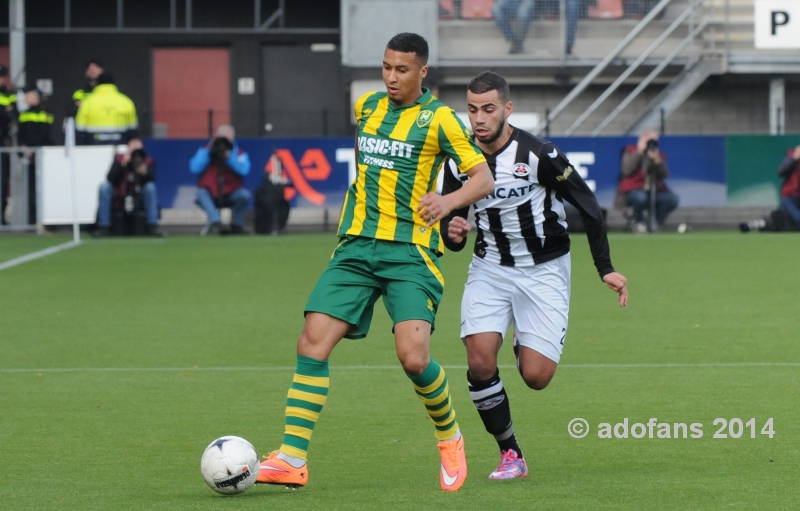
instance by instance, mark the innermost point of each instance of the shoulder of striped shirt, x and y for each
(370, 95)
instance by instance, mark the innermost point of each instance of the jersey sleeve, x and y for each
(556, 172)
(453, 181)
(455, 142)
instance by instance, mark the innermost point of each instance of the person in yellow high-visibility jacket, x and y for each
(106, 116)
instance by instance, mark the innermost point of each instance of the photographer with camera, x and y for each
(789, 171)
(222, 165)
(642, 164)
(130, 184)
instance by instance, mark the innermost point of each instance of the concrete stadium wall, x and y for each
(723, 105)
(63, 57)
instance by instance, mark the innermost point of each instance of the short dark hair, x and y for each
(95, 62)
(488, 81)
(105, 77)
(408, 42)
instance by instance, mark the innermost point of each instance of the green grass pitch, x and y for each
(120, 360)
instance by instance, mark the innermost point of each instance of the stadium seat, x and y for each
(606, 10)
(446, 9)
(477, 9)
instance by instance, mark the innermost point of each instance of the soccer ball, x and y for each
(229, 465)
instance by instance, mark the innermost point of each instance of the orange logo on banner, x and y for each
(313, 166)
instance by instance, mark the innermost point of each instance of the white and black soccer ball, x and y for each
(230, 465)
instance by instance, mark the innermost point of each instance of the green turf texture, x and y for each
(16, 245)
(132, 439)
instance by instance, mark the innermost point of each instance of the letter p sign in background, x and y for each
(777, 24)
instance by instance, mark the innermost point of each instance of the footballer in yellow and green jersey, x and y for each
(399, 151)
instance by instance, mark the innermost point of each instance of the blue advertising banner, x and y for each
(696, 166)
(321, 169)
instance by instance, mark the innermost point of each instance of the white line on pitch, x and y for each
(36, 255)
(378, 367)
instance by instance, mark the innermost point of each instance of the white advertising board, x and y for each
(91, 167)
(777, 24)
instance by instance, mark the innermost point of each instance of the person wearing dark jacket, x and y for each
(34, 129)
(640, 163)
(789, 171)
(8, 106)
(93, 71)
(131, 174)
(8, 112)
(34, 125)
(222, 165)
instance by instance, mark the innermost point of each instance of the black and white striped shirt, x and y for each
(523, 222)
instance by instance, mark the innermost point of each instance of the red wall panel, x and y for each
(187, 83)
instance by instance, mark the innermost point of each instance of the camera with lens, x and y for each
(219, 147)
(138, 158)
(652, 144)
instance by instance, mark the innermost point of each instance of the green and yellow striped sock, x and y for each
(434, 392)
(307, 396)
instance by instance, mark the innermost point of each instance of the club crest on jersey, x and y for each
(565, 175)
(521, 170)
(424, 118)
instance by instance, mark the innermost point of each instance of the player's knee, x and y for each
(481, 367)
(537, 380)
(304, 342)
(414, 363)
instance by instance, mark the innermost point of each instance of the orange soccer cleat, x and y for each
(454, 464)
(274, 470)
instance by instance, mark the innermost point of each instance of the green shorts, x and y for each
(408, 276)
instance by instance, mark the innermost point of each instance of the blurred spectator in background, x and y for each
(34, 125)
(106, 116)
(789, 171)
(642, 163)
(8, 104)
(272, 198)
(129, 187)
(93, 71)
(505, 12)
(222, 165)
(572, 8)
(34, 129)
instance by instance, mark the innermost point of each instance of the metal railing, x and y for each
(719, 38)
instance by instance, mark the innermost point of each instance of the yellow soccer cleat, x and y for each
(454, 464)
(274, 470)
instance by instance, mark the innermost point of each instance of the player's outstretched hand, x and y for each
(433, 207)
(458, 228)
(618, 283)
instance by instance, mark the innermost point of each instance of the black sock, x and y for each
(491, 401)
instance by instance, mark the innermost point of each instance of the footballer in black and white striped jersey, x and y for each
(520, 269)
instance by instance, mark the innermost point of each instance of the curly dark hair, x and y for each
(488, 81)
(408, 42)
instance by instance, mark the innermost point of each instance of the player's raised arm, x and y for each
(557, 172)
(455, 140)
